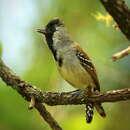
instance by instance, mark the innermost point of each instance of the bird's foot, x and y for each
(78, 91)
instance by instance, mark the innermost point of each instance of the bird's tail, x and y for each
(90, 108)
(89, 112)
(100, 109)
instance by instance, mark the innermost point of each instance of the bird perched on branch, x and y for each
(73, 63)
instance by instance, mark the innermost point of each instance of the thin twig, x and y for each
(32, 103)
(121, 54)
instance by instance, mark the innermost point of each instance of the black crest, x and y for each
(54, 22)
(51, 26)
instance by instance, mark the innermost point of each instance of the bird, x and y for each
(72, 62)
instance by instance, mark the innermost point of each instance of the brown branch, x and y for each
(121, 14)
(121, 54)
(23, 89)
(55, 98)
(47, 116)
(73, 98)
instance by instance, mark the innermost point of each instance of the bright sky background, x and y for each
(16, 19)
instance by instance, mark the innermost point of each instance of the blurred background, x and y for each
(26, 53)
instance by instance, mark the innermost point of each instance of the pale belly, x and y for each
(77, 76)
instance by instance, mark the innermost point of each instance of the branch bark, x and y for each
(121, 14)
(23, 88)
(47, 116)
(121, 54)
(26, 90)
(54, 98)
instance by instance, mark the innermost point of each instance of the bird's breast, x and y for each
(73, 72)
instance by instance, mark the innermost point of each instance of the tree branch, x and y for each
(23, 88)
(121, 54)
(27, 90)
(55, 98)
(121, 14)
(47, 116)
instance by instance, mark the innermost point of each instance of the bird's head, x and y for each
(50, 28)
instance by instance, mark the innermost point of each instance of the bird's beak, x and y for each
(41, 31)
